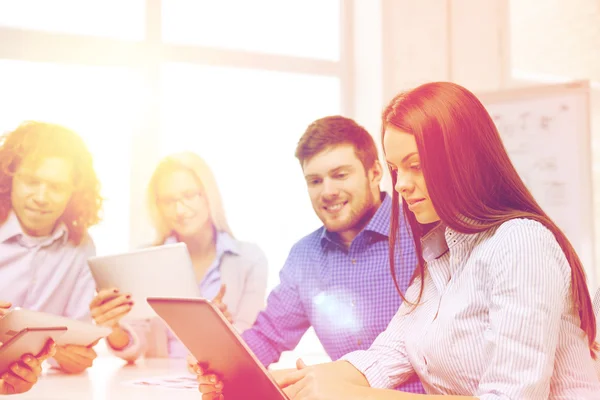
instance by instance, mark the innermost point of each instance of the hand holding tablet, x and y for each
(29, 341)
(21, 358)
(159, 271)
(78, 332)
(110, 306)
(212, 340)
(4, 307)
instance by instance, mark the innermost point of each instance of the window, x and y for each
(99, 103)
(107, 18)
(245, 124)
(308, 28)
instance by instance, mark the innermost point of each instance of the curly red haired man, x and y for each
(49, 198)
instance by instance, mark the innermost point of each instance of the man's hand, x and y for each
(218, 301)
(4, 307)
(22, 375)
(74, 359)
(209, 385)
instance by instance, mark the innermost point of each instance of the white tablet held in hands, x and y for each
(207, 334)
(160, 271)
(28, 341)
(78, 332)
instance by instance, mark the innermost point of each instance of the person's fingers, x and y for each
(212, 388)
(22, 371)
(291, 378)
(48, 351)
(4, 308)
(104, 295)
(206, 389)
(75, 358)
(212, 396)
(208, 379)
(82, 351)
(112, 317)
(17, 385)
(33, 363)
(228, 316)
(5, 388)
(110, 305)
(219, 297)
(9, 383)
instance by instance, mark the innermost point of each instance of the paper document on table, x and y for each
(167, 382)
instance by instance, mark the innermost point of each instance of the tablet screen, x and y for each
(159, 271)
(210, 338)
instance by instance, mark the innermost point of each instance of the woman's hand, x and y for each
(308, 383)
(109, 306)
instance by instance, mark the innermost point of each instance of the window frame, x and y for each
(147, 56)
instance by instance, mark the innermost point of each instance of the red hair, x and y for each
(40, 140)
(469, 174)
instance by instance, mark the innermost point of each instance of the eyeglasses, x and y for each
(187, 199)
(32, 184)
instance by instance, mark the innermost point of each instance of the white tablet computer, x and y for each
(209, 337)
(159, 271)
(78, 332)
(28, 341)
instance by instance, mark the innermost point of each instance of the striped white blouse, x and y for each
(496, 321)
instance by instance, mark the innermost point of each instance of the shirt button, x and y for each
(359, 342)
(354, 261)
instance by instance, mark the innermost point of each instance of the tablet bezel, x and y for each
(123, 272)
(164, 307)
(27, 341)
(78, 332)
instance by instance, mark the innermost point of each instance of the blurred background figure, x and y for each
(49, 198)
(185, 206)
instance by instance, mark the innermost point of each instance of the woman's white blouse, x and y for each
(496, 321)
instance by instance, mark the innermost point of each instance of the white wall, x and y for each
(400, 44)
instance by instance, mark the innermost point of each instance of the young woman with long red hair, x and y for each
(499, 307)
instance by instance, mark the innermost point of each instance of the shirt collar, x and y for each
(225, 243)
(434, 243)
(11, 228)
(441, 239)
(378, 224)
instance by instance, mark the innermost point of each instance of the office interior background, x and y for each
(238, 81)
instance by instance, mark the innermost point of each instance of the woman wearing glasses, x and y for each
(185, 206)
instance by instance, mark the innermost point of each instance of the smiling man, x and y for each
(49, 197)
(337, 279)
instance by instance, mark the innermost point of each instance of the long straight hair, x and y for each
(471, 181)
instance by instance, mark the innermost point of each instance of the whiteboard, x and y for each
(546, 131)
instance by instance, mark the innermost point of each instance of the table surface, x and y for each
(110, 377)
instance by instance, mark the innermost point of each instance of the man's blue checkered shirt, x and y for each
(346, 295)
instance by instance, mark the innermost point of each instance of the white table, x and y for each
(106, 380)
(108, 377)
